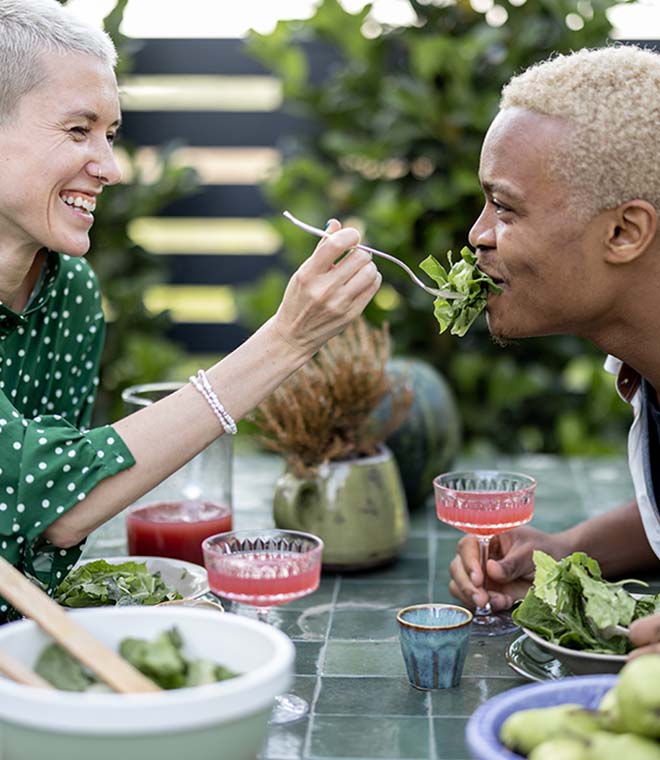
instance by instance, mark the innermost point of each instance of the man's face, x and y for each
(51, 148)
(530, 237)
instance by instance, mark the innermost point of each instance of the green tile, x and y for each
(464, 699)
(323, 595)
(402, 569)
(355, 738)
(308, 656)
(486, 657)
(306, 625)
(449, 738)
(364, 624)
(303, 687)
(286, 742)
(416, 546)
(445, 547)
(373, 658)
(369, 696)
(418, 522)
(387, 595)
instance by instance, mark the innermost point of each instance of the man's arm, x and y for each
(616, 539)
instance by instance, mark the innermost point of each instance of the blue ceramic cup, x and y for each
(434, 640)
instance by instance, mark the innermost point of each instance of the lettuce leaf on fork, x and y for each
(464, 278)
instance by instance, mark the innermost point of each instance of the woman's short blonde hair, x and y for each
(28, 28)
(610, 98)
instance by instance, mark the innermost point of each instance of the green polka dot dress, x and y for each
(49, 460)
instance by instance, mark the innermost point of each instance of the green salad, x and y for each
(101, 584)
(570, 603)
(464, 278)
(162, 660)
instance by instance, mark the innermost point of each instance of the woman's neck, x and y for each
(17, 282)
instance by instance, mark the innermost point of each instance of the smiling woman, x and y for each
(59, 115)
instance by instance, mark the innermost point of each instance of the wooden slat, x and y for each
(192, 269)
(221, 56)
(220, 200)
(200, 338)
(229, 129)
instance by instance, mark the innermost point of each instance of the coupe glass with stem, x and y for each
(261, 569)
(485, 503)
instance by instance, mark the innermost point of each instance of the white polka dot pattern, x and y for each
(49, 460)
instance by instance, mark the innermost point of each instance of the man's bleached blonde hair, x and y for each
(610, 98)
(29, 28)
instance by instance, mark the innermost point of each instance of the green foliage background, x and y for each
(400, 120)
(136, 349)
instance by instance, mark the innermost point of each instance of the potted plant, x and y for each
(341, 482)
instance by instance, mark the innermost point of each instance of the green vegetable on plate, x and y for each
(570, 603)
(100, 584)
(464, 278)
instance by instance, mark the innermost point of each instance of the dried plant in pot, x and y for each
(341, 482)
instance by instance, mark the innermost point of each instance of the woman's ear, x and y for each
(631, 228)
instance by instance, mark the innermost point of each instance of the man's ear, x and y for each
(631, 228)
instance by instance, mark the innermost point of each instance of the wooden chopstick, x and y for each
(100, 659)
(18, 672)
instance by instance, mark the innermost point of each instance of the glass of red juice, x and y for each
(175, 528)
(261, 569)
(485, 503)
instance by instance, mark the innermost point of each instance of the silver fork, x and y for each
(614, 630)
(448, 294)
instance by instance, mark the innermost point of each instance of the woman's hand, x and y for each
(325, 294)
(510, 567)
(645, 635)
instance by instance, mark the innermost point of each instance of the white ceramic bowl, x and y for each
(579, 662)
(222, 720)
(190, 580)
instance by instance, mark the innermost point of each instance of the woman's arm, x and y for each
(320, 300)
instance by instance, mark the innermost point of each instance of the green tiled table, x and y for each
(349, 665)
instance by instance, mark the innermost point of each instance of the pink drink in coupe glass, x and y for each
(265, 578)
(485, 503)
(485, 513)
(262, 568)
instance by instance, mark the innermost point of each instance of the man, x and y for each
(569, 230)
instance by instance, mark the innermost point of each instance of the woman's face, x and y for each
(52, 149)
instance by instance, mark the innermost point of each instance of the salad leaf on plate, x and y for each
(100, 584)
(464, 278)
(570, 602)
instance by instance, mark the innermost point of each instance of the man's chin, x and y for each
(498, 336)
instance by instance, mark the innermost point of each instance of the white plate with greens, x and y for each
(137, 580)
(580, 662)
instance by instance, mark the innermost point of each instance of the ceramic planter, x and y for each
(358, 507)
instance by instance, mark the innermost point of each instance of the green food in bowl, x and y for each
(161, 659)
(100, 583)
(227, 719)
(623, 724)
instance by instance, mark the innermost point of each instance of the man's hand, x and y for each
(510, 567)
(645, 635)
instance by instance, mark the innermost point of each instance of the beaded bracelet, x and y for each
(201, 382)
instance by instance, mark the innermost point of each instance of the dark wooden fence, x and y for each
(212, 128)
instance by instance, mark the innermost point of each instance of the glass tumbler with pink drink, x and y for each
(485, 503)
(262, 569)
